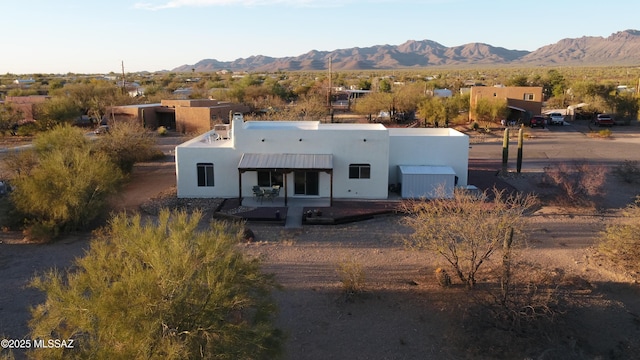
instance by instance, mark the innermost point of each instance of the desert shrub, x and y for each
(127, 143)
(8, 355)
(162, 131)
(475, 126)
(28, 129)
(579, 182)
(467, 229)
(628, 171)
(443, 277)
(61, 185)
(61, 138)
(605, 133)
(620, 243)
(42, 231)
(352, 277)
(20, 162)
(528, 318)
(166, 289)
(460, 119)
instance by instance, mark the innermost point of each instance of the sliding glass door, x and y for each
(306, 183)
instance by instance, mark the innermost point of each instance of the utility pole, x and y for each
(124, 86)
(330, 86)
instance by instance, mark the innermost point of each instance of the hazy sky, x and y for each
(95, 36)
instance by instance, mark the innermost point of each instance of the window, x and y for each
(529, 97)
(205, 174)
(359, 171)
(269, 178)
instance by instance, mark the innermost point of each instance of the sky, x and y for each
(95, 36)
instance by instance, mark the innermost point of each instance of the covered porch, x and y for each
(285, 164)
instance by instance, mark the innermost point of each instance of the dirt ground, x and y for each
(402, 312)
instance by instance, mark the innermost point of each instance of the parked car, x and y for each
(556, 118)
(102, 129)
(538, 121)
(603, 120)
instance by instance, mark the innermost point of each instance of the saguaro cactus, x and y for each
(505, 149)
(520, 143)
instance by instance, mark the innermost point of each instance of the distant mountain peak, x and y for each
(620, 48)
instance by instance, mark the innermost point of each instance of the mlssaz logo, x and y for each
(53, 344)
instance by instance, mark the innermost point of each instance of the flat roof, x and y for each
(207, 140)
(280, 125)
(424, 132)
(340, 126)
(308, 125)
(138, 105)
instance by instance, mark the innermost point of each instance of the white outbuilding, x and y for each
(309, 159)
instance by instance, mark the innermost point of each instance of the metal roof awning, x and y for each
(516, 108)
(286, 161)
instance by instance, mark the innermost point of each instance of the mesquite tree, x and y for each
(467, 229)
(163, 289)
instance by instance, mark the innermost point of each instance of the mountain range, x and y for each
(619, 49)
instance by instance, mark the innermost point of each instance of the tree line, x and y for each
(404, 95)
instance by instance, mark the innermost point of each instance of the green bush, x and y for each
(29, 129)
(61, 185)
(160, 290)
(42, 232)
(162, 131)
(127, 143)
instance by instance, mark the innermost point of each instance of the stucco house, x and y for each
(185, 116)
(309, 159)
(523, 101)
(26, 105)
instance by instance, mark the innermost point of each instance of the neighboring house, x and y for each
(186, 116)
(343, 98)
(309, 159)
(26, 104)
(443, 93)
(523, 101)
(139, 91)
(24, 82)
(183, 93)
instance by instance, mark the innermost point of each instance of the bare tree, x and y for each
(467, 229)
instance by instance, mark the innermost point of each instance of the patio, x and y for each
(483, 174)
(307, 211)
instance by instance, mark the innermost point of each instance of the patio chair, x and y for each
(273, 193)
(258, 193)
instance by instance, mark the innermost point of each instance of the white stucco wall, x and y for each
(420, 146)
(225, 166)
(349, 144)
(384, 149)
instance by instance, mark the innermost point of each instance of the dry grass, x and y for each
(352, 277)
